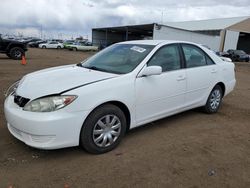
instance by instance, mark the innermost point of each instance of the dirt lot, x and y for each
(188, 150)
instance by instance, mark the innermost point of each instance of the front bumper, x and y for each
(45, 130)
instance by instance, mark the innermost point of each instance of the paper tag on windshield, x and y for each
(138, 49)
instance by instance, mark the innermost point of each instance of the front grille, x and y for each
(20, 101)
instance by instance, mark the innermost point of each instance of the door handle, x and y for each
(179, 78)
(213, 71)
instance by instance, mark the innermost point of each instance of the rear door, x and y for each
(201, 74)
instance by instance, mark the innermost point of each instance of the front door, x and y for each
(160, 95)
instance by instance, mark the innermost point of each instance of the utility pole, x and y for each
(162, 15)
(41, 31)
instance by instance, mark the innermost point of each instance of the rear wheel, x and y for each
(74, 49)
(214, 100)
(43, 47)
(16, 53)
(103, 129)
(59, 47)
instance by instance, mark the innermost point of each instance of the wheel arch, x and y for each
(10, 46)
(125, 110)
(223, 87)
(120, 105)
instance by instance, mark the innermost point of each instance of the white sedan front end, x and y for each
(39, 118)
(45, 130)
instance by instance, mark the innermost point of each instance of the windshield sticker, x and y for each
(138, 49)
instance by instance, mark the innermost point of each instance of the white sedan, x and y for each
(51, 44)
(126, 85)
(82, 47)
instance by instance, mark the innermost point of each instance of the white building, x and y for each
(218, 34)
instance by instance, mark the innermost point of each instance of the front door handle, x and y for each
(213, 71)
(180, 78)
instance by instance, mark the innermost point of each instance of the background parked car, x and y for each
(219, 54)
(83, 46)
(36, 43)
(238, 55)
(68, 42)
(222, 57)
(51, 44)
(12, 48)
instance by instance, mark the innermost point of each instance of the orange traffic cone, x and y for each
(23, 60)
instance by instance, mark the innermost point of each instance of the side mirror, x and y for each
(150, 71)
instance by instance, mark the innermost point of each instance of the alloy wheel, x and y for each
(215, 99)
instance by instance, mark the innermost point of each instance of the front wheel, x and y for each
(214, 100)
(103, 129)
(16, 53)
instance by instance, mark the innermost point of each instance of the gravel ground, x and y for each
(190, 150)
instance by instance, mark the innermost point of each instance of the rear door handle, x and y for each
(180, 78)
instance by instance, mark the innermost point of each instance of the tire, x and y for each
(105, 137)
(43, 47)
(16, 53)
(59, 47)
(74, 49)
(214, 100)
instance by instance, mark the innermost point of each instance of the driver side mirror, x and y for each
(150, 71)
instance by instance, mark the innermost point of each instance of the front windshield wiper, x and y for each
(95, 68)
(79, 65)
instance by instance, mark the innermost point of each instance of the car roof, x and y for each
(154, 42)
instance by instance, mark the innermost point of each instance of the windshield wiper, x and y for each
(99, 69)
(95, 68)
(79, 65)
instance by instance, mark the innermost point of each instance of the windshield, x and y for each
(118, 58)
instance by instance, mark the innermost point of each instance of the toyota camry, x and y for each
(95, 102)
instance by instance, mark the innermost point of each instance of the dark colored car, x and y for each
(12, 48)
(238, 55)
(223, 54)
(36, 44)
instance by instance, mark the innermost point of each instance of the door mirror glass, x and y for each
(151, 70)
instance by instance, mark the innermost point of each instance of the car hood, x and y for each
(59, 79)
(13, 41)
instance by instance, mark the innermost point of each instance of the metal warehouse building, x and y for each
(218, 34)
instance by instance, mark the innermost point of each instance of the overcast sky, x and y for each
(65, 18)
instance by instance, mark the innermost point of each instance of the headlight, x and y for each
(12, 89)
(49, 104)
